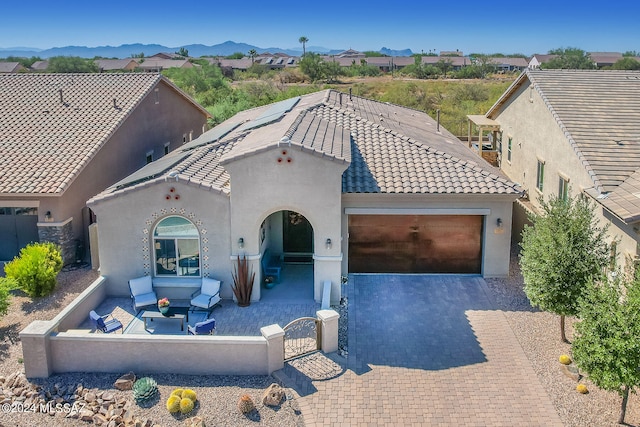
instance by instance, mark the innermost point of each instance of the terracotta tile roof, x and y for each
(51, 125)
(599, 113)
(389, 149)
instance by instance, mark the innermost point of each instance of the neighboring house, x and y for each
(40, 66)
(345, 183)
(457, 62)
(66, 137)
(538, 59)
(508, 64)
(157, 65)
(126, 64)
(11, 67)
(166, 55)
(570, 132)
(388, 63)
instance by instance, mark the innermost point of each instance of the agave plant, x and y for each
(144, 389)
(243, 282)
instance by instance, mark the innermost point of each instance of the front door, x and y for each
(297, 239)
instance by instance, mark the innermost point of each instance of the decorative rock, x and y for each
(90, 397)
(100, 420)
(245, 404)
(125, 382)
(86, 414)
(273, 395)
(572, 372)
(194, 422)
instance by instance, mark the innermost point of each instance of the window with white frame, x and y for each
(176, 244)
(149, 157)
(563, 188)
(509, 146)
(540, 176)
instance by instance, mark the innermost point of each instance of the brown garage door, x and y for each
(415, 243)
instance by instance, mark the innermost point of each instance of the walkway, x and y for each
(423, 350)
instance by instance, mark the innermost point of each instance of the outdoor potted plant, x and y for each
(163, 305)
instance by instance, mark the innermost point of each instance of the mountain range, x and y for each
(195, 50)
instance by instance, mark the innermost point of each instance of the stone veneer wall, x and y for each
(60, 233)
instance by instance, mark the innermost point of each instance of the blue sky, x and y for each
(429, 25)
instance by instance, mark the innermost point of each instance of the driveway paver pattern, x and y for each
(423, 350)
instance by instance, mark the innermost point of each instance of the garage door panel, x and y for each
(415, 243)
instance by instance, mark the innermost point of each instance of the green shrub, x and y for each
(36, 269)
(5, 286)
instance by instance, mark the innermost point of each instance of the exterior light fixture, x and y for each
(241, 242)
(328, 243)
(47, 216)
(499, 222)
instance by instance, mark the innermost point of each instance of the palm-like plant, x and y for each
(304, 41)
(252, 55)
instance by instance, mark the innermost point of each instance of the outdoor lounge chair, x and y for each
(202, 328)
(103, 323)
(142, 292)
(208, 296)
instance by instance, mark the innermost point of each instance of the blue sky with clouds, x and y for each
(480, 26)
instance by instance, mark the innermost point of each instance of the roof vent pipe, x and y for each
(438, 120)
(115, 105)
(61, 98)
(350, 94)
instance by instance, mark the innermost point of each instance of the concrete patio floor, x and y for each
(286, 301)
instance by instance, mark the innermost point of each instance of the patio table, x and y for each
(172, 314)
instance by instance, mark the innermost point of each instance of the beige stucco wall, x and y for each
(496, 240)
(310, 185)
(148, 128)
(126, 224)
(537, 136)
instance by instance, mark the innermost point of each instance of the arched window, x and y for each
(176, 243)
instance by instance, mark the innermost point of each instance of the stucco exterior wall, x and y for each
(536, 135)
(126, 224)
(309, 185)
(496, 240)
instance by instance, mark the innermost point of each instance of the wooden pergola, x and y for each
(483, 124)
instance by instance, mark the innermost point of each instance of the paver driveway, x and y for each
(423, 350)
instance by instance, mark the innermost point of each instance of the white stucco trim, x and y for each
(327, 258)
(55, 224)
(417, 211)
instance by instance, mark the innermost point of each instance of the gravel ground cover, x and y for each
(217, 395)
(538, 333)
(539, 336)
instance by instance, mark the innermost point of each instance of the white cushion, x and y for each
(210, 286)
(202, 301)
(145, 299)
(141, 285)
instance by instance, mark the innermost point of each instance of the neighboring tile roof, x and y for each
(161, 64)
(599, 112)
(389, 149)
(10, 67)
(116, 64)
(52, 125)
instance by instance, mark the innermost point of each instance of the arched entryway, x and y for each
(288, 236)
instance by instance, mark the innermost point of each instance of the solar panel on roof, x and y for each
(153, 169)
(275, 112)
(212, 135)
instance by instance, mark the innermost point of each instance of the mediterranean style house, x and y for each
(66, 137)
(344, 183)
(569, 132)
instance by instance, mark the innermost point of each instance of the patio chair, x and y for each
(202, 328)
(103, 323)
(142, 292)
(208, 296)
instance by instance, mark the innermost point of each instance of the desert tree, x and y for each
(607, 341)
(562, 250)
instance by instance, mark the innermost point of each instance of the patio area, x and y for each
(286, 301)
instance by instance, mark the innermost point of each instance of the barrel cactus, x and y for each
(173, 404)
(144, 389)
(245, 404)
(186, 405)
(189, 394)
(581, 388)
(565, 360)
(177, 392)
